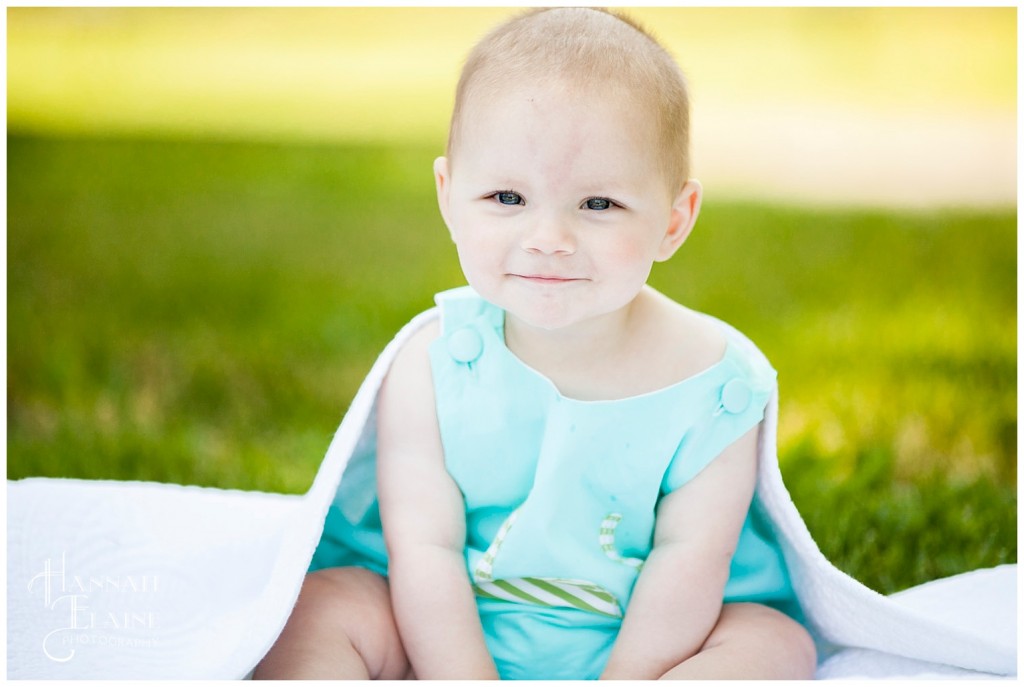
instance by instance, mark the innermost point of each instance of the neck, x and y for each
(570, 355)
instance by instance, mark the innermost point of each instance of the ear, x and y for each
(442, 179)
(685, 209)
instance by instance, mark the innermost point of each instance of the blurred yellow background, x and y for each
(906, 106)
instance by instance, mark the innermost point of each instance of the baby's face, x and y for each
(557, 202)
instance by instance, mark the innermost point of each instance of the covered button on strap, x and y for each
(736, 396)
(465, 345)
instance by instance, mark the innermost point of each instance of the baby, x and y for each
(565, 458)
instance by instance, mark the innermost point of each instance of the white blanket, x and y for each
(142, 580)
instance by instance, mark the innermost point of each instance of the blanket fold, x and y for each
(135, 580)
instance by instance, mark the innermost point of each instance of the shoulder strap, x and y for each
(460, 306)
(736, 404)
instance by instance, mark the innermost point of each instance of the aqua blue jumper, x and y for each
(561, 494)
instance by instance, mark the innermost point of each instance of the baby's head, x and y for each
(586, 52)
(566, 177)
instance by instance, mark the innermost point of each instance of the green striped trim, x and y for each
(485, 566)
(551, 592)
(606, 539)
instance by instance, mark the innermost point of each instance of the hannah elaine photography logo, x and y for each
(81, 607)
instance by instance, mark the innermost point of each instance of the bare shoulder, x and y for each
(413, 358)
(406, 400)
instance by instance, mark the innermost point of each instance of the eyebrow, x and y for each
(588, 187)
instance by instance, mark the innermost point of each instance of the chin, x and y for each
(548, 309)
(548, 317)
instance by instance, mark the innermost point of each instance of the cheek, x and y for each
(480, 255)
(630, 257)
(472, 242)
(646, 243)
(630, 251)
(477, 233)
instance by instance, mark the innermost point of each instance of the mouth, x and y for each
(547, 278)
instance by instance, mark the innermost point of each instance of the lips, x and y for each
(547, 278)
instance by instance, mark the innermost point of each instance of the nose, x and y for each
(549, 235)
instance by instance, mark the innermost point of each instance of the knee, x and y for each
(353, 604)
(340, 625)
(778, 639)
(343, 595)
(330, 583)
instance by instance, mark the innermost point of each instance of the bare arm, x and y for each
(423, 515)
(678, 596)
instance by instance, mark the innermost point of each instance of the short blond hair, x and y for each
(585, 45)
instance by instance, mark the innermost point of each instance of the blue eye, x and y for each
(597, 204)
(509, 198)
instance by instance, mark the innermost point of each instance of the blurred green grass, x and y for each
(202, 312)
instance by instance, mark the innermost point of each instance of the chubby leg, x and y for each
(341, 628)
(751, 641)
